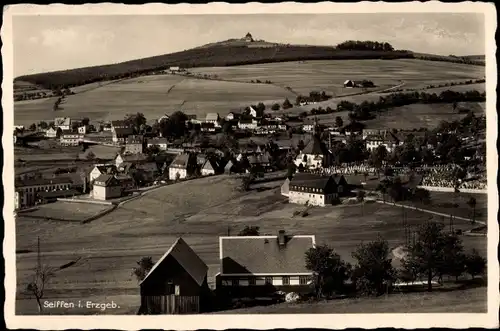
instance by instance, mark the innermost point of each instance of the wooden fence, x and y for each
(171, 304)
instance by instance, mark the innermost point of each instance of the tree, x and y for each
(174, 126)
(475, 264)
(135, 120)
(329, 270)
(360, 196)
(373, 271)
(246, 181)
(249, 231)
(429, 254)
(287, 104)
(472, 203)
(227, 127)
(85, 121)
(422, 195)
(32, 127)
(43, 125)
(90, 155)
(145, 265)
(275, 106)
(301, 144)
(43, 273)
(339, 122)
(378, 156)
(291, 169)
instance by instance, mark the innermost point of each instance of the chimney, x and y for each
(281, 238)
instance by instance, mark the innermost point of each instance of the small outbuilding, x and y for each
(177, 283)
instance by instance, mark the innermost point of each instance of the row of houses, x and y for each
(249, 267)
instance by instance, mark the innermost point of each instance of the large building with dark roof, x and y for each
(260, 265)
(27, 189)
(315, 190)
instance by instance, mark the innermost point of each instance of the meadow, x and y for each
(305, 76)
(159, 94)
(66, 211)
(199, 211)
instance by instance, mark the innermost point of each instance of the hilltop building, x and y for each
(248, 37)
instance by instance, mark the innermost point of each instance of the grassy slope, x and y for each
(224, 55)
(199, 211)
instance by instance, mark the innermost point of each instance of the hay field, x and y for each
(160, 94)
(199, 211)
(152, 95)
(306, 76)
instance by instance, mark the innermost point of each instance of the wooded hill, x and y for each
(216, 55)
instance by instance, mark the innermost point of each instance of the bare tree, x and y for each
(43, 273)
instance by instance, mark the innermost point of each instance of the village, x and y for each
(289, 205)
(323, 166)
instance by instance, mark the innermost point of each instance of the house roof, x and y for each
(315, 147)
(119, 123)
(263, 255)
(212, 117)
(43, 181)
(246, 120)
(207, 125)
(105, 179)
(310, 180)
(58, 194)
(158, 141)
(123, 132)
(105, 168)
(209, 165)
(187, 258)
(181, 161)
(133, 157)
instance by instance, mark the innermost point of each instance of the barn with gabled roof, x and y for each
(177, 283)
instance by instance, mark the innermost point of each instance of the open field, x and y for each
(70, 211)
(329, 76)
(199, 211)
(470, 301)
(159, 94)
(154, 96)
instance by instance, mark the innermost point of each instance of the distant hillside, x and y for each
(228, 53)
(231, 52)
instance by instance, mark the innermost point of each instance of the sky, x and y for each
(47, 43)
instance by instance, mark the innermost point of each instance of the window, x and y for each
(177, 290)
(235, 282)
(303, 280)
(286, 280)
(269, 280)
(251, 281)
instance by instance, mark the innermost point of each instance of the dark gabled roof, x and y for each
(315, 147)
(123, 132)
(134, 157)
(311, 180)
(263, 255)
(246, 120)
(119, 123)
(43, 181)
(105, 168)
(181, 161)
(106, 180)
(187, 258)
(158, 141)
(339, 179)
